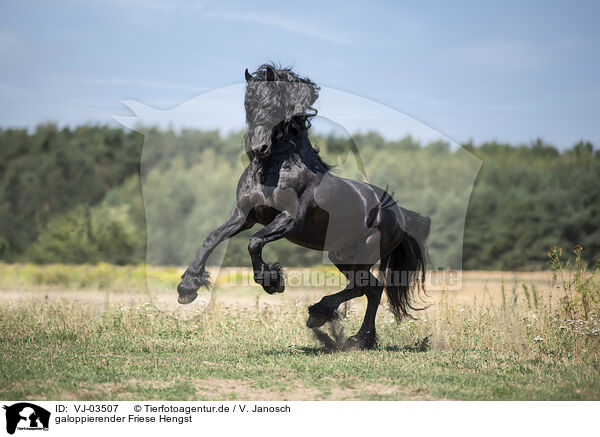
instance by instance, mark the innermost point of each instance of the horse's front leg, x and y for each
(270, 276)
(195, 275)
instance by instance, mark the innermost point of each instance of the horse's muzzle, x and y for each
(262, 151)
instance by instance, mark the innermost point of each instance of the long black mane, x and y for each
(311, 155)
(281, 100)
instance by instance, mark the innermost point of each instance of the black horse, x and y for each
(291, 191)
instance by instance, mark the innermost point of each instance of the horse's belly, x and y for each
(319, 232)
(347, 209)
(312, 235)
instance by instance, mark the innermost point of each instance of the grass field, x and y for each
(83, 333)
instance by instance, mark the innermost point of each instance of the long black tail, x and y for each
(404, 269)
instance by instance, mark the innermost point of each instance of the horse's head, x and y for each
(278, 105)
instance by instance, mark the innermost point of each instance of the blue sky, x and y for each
(509, 71)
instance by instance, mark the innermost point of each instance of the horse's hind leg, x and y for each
(325, 310)
(361, 282)
(366, 337)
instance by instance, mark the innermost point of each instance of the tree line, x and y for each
(79, 195)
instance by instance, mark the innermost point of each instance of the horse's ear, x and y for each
(248, 76)
(270, 74)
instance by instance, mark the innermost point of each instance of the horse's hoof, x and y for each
(275, 290)
(185, 299)
(189, 285)
(316, 320)
(187, 290)
(319, 314)
(272, 279)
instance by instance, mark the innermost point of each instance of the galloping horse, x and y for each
(291, 191)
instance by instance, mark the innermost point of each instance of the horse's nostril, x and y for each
(263, 149)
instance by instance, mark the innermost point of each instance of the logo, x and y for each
(26, 416)
(421, 186)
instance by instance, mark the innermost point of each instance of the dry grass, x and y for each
(502, 336)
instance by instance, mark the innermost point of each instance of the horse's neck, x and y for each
(309, 155)
(301, 154)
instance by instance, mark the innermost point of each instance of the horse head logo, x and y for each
(24, 415)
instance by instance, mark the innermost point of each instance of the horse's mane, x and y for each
(303, 90)
(287, 103)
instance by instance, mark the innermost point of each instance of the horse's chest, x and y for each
(277, 188)
(282, 175)
(279, 198)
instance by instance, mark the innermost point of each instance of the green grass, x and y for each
(80, 350)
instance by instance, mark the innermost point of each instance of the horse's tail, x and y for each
(404, 268)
